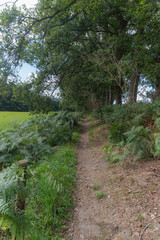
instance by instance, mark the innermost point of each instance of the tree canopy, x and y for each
(95, 52)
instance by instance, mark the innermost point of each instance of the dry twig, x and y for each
(141, 235)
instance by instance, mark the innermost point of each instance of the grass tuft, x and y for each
(100, 195)
(96, 187)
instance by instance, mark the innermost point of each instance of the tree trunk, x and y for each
(110, 95)
(118, 95)
(133, 89)
(107, 98)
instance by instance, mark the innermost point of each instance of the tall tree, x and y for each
(93, 51)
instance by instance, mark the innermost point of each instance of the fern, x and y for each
(49, 182)
(36, 137)
(10, 219)
(138, 119)
(115, 152)
(116, 131)
(156, 107)
(158, 123)
(139, 142)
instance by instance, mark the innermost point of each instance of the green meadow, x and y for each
(6, 118)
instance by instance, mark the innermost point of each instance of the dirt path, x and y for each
(89, 212)
(124, 210)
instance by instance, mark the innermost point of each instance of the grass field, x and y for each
(6, 118)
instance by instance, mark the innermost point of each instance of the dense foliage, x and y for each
(96, 52)
(21, 98)
(35, 137)
(47, 194)
(34, 203)
(7, 102)
(132, 130)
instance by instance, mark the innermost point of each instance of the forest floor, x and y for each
(113, 201)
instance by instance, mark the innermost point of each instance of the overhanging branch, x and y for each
(8, 3)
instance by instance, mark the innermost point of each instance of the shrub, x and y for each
(157, 140)
(75, 137)
(50, 176)
(139, 142)
(132, 125)
(51, 199)
(115, 153)
(156, 107)
(36, 137)
(11, 186)
(47, 195)
(116, 132)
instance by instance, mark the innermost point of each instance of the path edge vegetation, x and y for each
(98, 53)
(132, 132)
(44, 188)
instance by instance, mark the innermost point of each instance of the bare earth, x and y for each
(130, 207)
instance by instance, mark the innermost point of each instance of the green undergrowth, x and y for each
(133, 131)
(90, 133)
(90, 118)
(48, 143)
(36, 137)
(48, 196)
(75, 136)
(49, 204)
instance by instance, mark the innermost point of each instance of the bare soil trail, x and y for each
(113, 202)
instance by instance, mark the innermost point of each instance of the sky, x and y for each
(28, 3)
(26, 69)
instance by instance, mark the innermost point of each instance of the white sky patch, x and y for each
(26, 71)
(142, 93)
(31, 74)
(28, 3)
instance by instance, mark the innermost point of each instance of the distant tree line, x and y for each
(6, 100)
(12, 98)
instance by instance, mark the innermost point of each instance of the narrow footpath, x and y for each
(89, 212)
(108, 204)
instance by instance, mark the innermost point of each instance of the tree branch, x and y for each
(9, 3)
(52, 16)
(49, 18)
